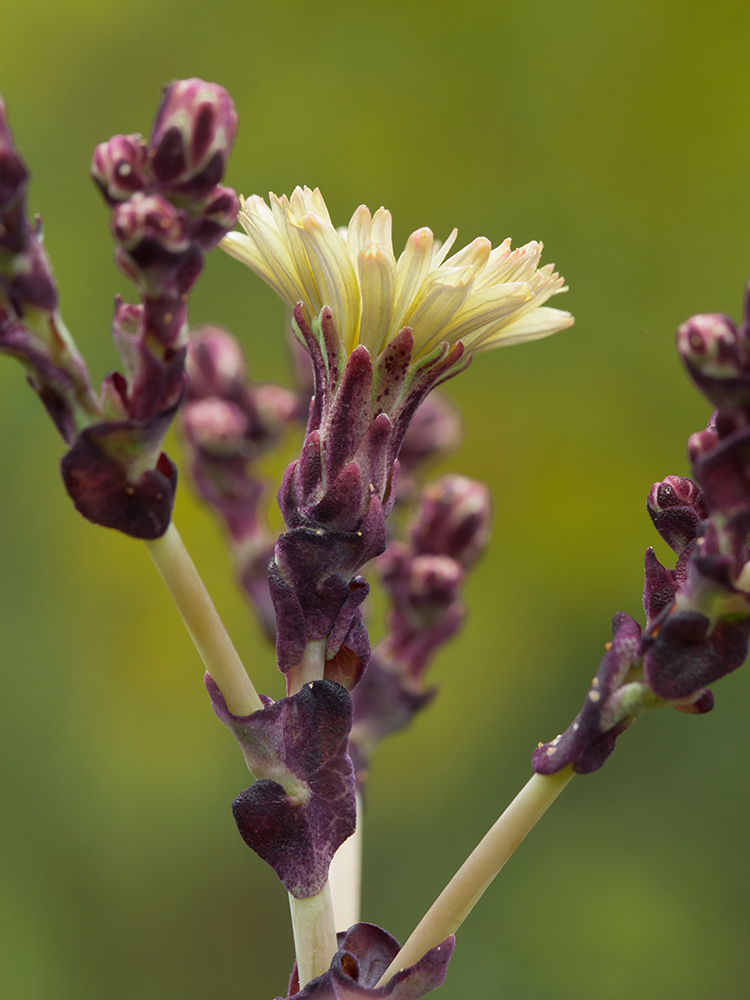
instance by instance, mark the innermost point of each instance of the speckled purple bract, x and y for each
(335, 497)
(365, 952)
(590, 739)
(302, 806)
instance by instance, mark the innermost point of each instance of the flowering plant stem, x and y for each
(314, 934)
(464, 890)
(202, 621)
(345, 876)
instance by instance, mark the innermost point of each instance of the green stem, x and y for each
(202, 621)
(310, 668)
(345, 877)
(314, 934)
(456, 901)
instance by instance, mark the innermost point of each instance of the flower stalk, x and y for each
(345, 877)
(202, 621)
(314, 934)
(467, 886)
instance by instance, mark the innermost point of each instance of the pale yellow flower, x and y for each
(483, 297)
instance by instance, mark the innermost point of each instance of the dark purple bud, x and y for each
(453, 519)
(433, 583)
(192, 137)
(384, 703)
(118, 167)
(216, 363)
(677, 507)
(302, 807)
(276, 407)
(436, 428)
(216, 426)
(709, 341)
(150, 218)
(365, 952)
(716, 359)
(13, 180)
(703, 441)
(32, 285)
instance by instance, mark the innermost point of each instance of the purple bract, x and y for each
(365, 952)
(302, 807)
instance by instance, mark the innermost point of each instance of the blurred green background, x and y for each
(618, 134)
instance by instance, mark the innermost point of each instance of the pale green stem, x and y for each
(314, 934)
(310, 668)
(456, 901)
(202, 621)
(345, 877)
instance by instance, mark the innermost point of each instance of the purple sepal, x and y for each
(687, 652)
(98, 479)
(590, 739)
(302, 807)
(365, 952)
(660, 585)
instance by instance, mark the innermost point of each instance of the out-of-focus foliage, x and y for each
(617, 133)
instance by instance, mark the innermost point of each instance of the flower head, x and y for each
(480, 296)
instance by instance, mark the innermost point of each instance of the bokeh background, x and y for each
(618, 134)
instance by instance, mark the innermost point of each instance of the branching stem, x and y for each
(202, 621)
(310, 668)
(345, 877)
(456, 901)
(314, 934)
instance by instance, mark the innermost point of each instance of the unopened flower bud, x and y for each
(434, 580)
(709, 342)
(13, 179)
(152, 218)
(436, 427)
(118, 167)
(217, 217)
(215, 426)
(275, 406)
(677, 507)
(192, 136)
(453, 519)
(33, 285)
(701, 442)
(216, 363)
